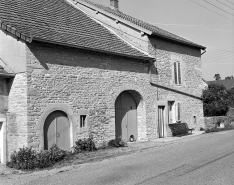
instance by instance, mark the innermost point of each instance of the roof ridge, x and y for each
(10, 29)
(139, 23)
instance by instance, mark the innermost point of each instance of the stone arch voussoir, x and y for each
(39, 129)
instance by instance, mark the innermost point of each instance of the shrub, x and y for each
(85, 145)
(27, 158)
(216, 129)
(114, 143)
(202, 129)
(23, 159)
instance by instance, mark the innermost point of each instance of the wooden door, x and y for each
(125, 117)
(1, 141)
(161, 121)
(57, 130)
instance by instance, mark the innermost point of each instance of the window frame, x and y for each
(177, 70)
(83, 112)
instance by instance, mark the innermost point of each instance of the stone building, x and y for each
(67, 74)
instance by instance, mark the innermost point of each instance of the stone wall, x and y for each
(214, 121)
(85, 80)
(92, 81)
(17, 121)
(191, 69)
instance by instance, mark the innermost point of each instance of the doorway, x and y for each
(57, 130)
(125, 117)
(161, 121)
(1, 141)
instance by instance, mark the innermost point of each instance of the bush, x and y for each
(114, 143)
(215, 100)
(27, 158)
(85, 145)
(216, 129)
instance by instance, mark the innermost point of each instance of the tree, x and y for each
(215, 101)
(229, 78)
(230, 97)
(217, 77)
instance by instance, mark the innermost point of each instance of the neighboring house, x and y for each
(228, 84)
(66, 75)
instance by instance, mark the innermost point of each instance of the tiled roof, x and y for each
(154, 29)
(58, 21)
(228, 84)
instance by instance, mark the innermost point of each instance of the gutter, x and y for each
(7, 75)
(203, 52)
(179, 41)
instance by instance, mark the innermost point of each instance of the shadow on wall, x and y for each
(170, 46)
(47, 53)
(5, 86)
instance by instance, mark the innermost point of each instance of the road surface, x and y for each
(205, 159)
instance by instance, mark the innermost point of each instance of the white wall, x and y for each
(128, 33)
(3, 156)
(12, 53)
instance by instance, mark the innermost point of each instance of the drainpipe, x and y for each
(151, 62)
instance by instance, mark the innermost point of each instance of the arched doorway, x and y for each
(57, 130)
(125, 117)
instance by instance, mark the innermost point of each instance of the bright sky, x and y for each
(206, 22)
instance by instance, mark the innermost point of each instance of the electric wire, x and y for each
(218, 7)
(217, 60)
(212, 10)
(230, 2)
(217, 57)
(226, 49)
(224, 4)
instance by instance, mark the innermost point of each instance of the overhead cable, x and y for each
(212, 10)
(218, 7)
(224, 4)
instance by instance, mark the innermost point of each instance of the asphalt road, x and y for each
(205, 159)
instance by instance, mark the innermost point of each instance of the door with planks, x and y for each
(161, 121)
(1, 141)
(57, 130)
(125, 117)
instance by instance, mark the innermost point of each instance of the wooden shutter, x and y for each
(179, 73)
(178, 112)
(175, 72)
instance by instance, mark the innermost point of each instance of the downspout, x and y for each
(151, 62)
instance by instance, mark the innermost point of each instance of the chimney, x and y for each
(114, 4)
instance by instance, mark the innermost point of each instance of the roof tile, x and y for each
(156, 30)
(60, 22)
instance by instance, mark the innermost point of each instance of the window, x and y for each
(82, 121)
(178, 112)
(177, 73)
(174, 112)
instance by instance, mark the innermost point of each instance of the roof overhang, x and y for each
(92, 49)
(8, 28)
(146, 31)
(180, 41)
(98, 10)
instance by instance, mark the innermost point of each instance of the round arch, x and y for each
(39, 129)
(139, 96)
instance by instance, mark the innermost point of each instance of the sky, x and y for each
(209, 23)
